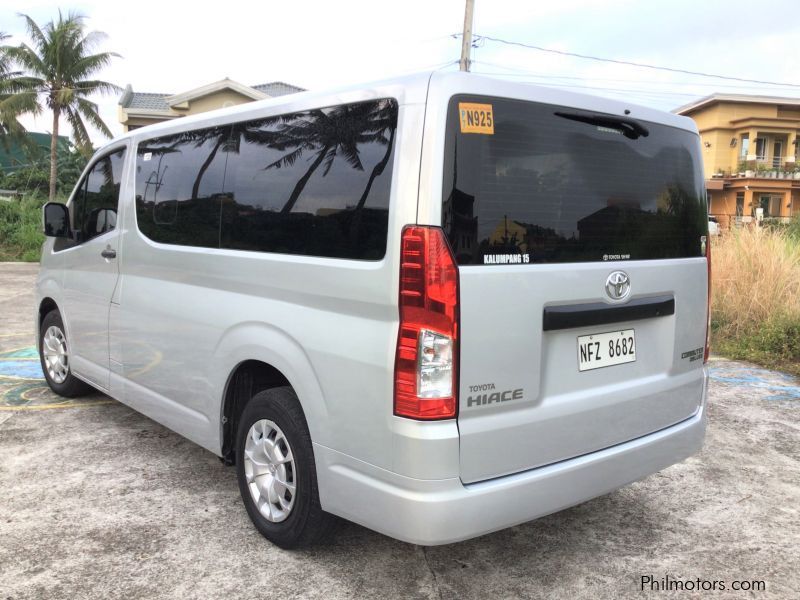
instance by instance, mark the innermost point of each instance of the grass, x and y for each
(755, 306)
(21, 234)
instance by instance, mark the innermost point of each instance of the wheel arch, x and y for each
(248, 379)
(45, 306)
(252, 357)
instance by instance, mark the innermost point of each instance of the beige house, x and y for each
(137, 109)
(750, 152)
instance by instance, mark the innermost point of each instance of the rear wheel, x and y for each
(276, 470)
(55, 358)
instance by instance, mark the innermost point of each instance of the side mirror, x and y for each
(55, 217)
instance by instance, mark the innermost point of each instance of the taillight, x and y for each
(708, 303)
(425, 372)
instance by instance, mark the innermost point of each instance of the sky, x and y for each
(172, 47)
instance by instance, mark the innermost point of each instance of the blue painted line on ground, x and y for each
(22, 363)
(29, 353)
(21, 369)
(760, 379)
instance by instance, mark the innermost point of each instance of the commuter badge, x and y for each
(476, 118)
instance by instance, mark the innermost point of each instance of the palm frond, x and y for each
(82, 140)
(352, 155)
(21, 84)
(21, 103)
(38, 36)
(93, 39)
(287, 160)
(95, 86)
(89, 111)
(88, 64)
(28, 59)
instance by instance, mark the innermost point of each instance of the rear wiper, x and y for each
(628, 127)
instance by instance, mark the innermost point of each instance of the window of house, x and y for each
(777, 154)
(775, 206)
(771, 204)
(761, 148)
(745, 146)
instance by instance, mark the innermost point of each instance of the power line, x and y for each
(629, 63)
(526, 73)
(554, 81)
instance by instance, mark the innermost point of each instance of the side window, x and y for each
(77, 205)
(313, 183)
(101, 198)
(179, 186)
(93, 210)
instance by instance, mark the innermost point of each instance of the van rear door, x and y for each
(580, 239)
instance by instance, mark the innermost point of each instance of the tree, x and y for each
(59, 67)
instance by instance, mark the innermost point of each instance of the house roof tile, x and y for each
(155, 101)
(277, 88)
(148, 101)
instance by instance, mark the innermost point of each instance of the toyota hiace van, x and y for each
(437, 306)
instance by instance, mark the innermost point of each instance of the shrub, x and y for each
(755, 286)
(21, 235)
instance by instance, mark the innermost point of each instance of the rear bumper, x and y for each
(431, 512)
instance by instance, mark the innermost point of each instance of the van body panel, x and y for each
(563, 412)
(88, 286)
(433, 512)
(185, 314)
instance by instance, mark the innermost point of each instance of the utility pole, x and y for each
(466, 37)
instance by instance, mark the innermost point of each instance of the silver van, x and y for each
(436, 306)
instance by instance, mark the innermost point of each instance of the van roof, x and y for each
(415, 89)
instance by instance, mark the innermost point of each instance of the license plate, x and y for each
(606, 349)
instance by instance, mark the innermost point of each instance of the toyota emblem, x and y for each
(618, 285)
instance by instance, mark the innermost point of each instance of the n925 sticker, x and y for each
(476, 118)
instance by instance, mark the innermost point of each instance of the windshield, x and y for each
(526, 182)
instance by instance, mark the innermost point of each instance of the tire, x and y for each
(288, 518)
(54, 358)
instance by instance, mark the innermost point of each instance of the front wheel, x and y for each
(54, 357)
(276, 470)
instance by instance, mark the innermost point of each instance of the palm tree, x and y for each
(59, 67)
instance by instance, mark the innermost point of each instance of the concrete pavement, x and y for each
(99, 501)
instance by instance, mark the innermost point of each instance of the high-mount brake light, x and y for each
(425, 374)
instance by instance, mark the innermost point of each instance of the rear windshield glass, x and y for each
(526, 182)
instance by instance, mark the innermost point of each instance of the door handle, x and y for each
(109, 252)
